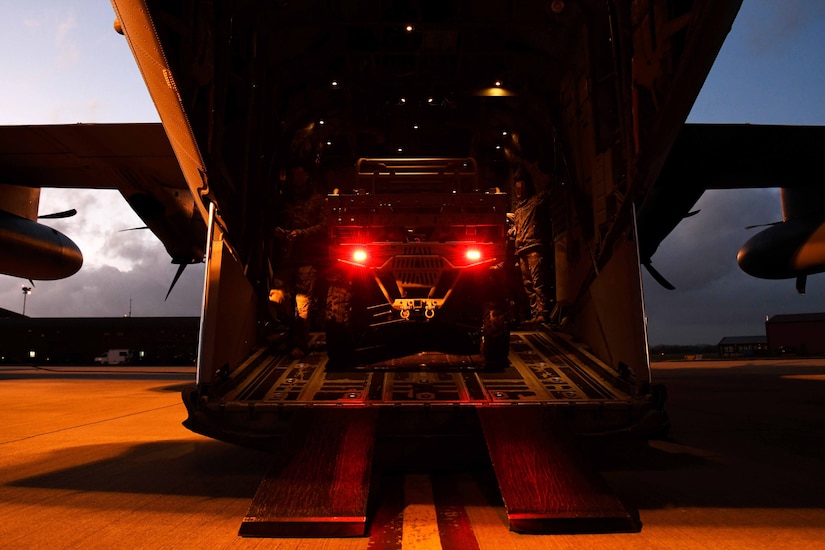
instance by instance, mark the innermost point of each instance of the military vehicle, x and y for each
(417, 243)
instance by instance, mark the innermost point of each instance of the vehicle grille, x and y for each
(417, 270)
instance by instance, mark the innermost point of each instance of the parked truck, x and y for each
(114, 357)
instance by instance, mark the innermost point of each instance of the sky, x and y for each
(62, 62)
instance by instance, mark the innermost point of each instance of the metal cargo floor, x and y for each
(544, 368)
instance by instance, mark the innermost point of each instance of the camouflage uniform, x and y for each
(301, 238)
(531, 226)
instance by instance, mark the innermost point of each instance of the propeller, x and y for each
(133, 229)
(57, 215)
(658, 277)
(762, 225)
(179, 272)
(800, 284)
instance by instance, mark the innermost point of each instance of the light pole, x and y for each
(26, 291)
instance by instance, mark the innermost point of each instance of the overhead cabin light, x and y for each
(473, 254)
(334, 84)
(415, 126)
(494, 91)
(321, 122)
(409, 28)
(497, 84)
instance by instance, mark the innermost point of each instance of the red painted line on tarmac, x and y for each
(454, 526)
(385, 527)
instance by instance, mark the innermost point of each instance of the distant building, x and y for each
(59, 340)
(743, 346)
(8, 314)
(799, 333)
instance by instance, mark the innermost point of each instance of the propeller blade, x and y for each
(133, 229)
(689, 214)
(658, 277)
(800, 284)
(762, 225)
(181, 267)
(56, 215)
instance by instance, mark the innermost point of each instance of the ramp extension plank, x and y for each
(319, 481)
(545, 482)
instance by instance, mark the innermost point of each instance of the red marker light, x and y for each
(360, 256)
(473, 254)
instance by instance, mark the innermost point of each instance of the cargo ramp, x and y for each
(322, 426)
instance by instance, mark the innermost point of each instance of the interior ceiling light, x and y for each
(496, 90)
(334, 84)
(409, 28)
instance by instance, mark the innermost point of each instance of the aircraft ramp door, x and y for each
(526, 414)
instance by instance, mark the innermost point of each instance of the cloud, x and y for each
(92, 108)
(97, 227)
(703, 248)
(775, 25)
(733, 305)
(118, 265)
(713, 297)
(64, 27)
(68, 50)
(109, 292)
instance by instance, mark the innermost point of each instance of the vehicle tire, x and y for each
(339, 326)
(495, 336)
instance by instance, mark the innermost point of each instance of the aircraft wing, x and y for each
(136, 159)
(725, 156)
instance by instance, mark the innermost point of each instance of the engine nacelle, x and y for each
(31, 250)
(794, 247)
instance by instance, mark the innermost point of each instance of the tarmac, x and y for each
(97, 458)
